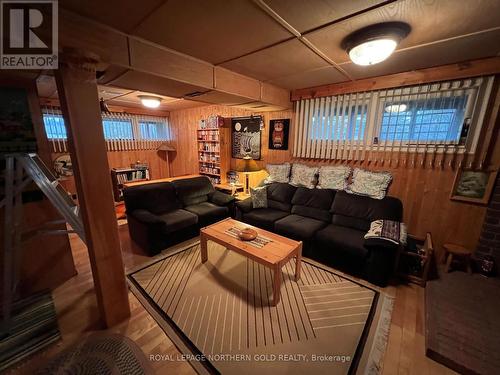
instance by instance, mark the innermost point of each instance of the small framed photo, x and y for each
(474, 186)
(278, 134)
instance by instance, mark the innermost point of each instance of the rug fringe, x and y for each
(377, 352)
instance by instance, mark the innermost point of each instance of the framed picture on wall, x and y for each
(278, 134)
(474, 186)
(246, 137)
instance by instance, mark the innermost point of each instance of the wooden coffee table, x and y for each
(274, 254)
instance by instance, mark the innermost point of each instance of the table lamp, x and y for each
(247, 165)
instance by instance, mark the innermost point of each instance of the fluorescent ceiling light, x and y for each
(150, 101)
(375, 43)
(396, 108)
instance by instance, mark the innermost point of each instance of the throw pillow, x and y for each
(259, 197)
(386, 233)
(277, 173)
(372, 184)
(302, 175)
(333, 177)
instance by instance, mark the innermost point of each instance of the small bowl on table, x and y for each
(247, 234)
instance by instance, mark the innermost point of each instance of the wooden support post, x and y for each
(77, 88)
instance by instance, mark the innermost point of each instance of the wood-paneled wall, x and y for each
(185, 122)
(157, 161)
(424, 188)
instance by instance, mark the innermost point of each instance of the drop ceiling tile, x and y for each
(123, 15)
(430, 21)
(452, 51)
(310, 78)
(281, 60)
(307, 15)
(214, 31)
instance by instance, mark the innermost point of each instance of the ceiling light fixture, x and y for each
(150, 101)
(375, 43)
(396, 108)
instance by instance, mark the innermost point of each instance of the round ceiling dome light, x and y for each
(150, 101)
(375, 43)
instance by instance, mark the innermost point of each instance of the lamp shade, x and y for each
(165, 147)
(247, 164)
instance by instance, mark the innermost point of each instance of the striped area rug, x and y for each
(223, 312)
(33, 327)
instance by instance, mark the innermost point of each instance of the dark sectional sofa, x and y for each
(163, 214)
(332, 225)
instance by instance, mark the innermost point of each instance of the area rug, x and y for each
(33, 327)
(461, 320)
(100, 354)
(220, 315)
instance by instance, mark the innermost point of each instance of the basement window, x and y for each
(343, 124)
(117, 128)
(54, 126)
(153, 130)
(426, 121)
(432, 117)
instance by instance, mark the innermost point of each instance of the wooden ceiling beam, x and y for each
(126, 51)
(466, 69)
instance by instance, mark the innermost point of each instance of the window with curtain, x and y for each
(341, 124)
(54, 126)
(115, 128)
(444, 116)
(121, 130)
(156, 130)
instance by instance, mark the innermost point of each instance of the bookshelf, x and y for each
(121, 176)
(213, 135)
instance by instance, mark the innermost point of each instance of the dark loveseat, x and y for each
(332, 225)
(162, 214)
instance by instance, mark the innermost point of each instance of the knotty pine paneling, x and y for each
(157, 161)
(185, 122)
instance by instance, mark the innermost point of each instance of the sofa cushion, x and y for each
(298, 227)
(303, 175)
(264, 217)
(368, 183)
(277, 173)
(208, 212)
(342, 242)
(156, 198)
(177, 220)
(313, 203)
(333, 177)
(259, 197)
(279, 196)
(358, 212)
(221, 199)
(193, 190)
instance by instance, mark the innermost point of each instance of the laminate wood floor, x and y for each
(78, 316)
